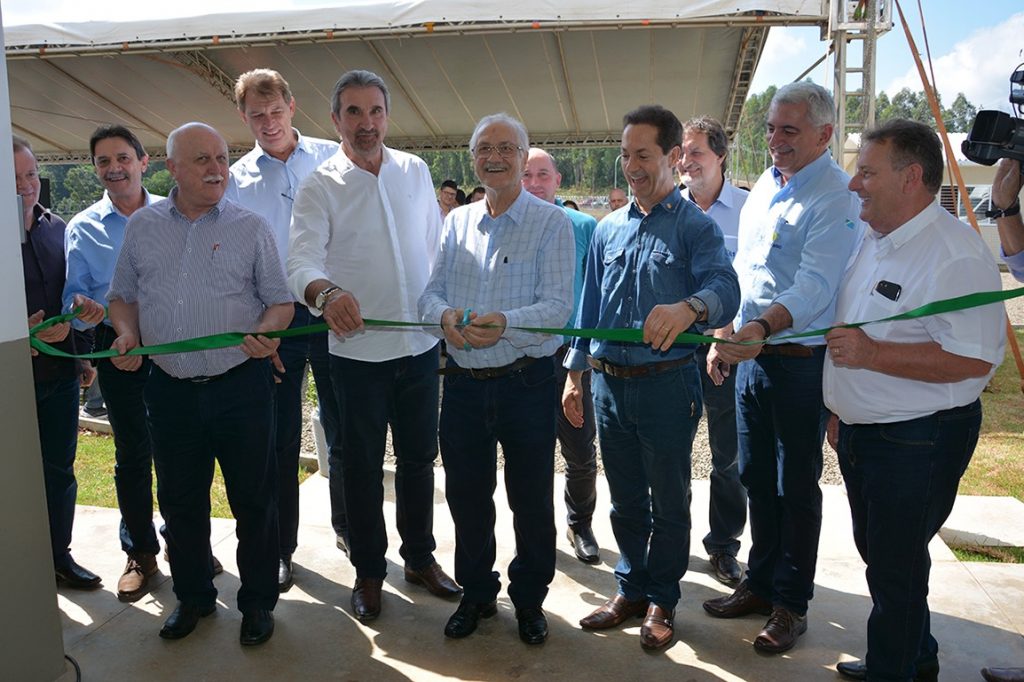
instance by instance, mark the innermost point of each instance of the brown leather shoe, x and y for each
(615, 611)
(434, 579)
(781, 631)
(1003, 674)
(135, 579)
(656, 632)
(366, 598)
(742, 602)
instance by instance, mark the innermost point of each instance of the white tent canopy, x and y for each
(567, 70)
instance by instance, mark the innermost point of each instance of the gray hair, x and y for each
(359, 78)
(172, 139)
(821, 108)
(522, 137)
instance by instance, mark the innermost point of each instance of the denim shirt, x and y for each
(638, 261)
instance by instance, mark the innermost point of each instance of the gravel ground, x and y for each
(701, 458)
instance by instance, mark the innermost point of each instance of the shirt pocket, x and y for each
(784, 243)
(516, 284)
(614, 269)
(668, 276)
(228, 274)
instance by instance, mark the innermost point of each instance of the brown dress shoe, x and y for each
(742, 602)
(366, 598)
(135, 579)
(656, 632)
(781, 631)
(615, 611)
(1003, 674)
(434, 579)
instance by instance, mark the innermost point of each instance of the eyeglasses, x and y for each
(505, 150)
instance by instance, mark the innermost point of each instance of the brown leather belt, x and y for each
(789, 350)
(489, 372)
(634, 371)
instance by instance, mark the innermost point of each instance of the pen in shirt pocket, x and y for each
(213, 253)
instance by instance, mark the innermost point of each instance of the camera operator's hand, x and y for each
(1007, 183)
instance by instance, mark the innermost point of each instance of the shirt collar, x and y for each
(214, 212)
(805, 174)
(515, 213)
(301, 146)
(345, 164)
(670, 204)
(107, 207)
(726, 196)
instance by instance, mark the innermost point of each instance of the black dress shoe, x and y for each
(781, 631)
(366, 598)
(857, 670)
(284, 574)
(183, 621)
(76, 577)
(257, 627)
(584, 544)
(725, 568)
(742, 602)
(533, 625)
(463, 621)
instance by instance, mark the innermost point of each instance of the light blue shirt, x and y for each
(583, 227)
(795, 241)
(725, 210)
(1015, 263)
(638, 261)
(267, 186)
(91, 245)
(519, 263)
(215, 274)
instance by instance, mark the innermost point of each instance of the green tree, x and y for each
(960, 116)
(159, 182)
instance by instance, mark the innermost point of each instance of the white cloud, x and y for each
(978, 66)
(786, 54)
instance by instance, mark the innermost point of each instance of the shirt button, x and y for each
(188, 250)
(179, 301)
(179, 329)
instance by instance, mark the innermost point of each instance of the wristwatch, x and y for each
(321, 299)
(697, 306)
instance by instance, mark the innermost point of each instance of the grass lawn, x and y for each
(94, 468)
(998, 464)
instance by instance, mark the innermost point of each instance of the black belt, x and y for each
(634, 371)
(489, 372)
(789, 350)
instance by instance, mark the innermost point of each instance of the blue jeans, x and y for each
(646, 427)
(133, 450)
(728, 508)
(780, 430)
(578, 451)
(400, 393)
(901, 480)
(295, 352)
(231, 419)
(57, 414)
(518, 411)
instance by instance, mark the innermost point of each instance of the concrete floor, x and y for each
(976, 614)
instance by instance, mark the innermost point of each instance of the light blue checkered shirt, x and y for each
(520, 264)
(216, 274)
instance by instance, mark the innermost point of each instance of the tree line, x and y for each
(585, 170)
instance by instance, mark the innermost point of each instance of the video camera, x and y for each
(995, 134)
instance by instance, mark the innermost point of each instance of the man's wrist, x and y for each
(1011, 210)
(763, 324)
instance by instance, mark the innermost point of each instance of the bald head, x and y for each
(617, 199)
(197, 158)
(540, 177)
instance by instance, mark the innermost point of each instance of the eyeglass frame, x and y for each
(510, 150)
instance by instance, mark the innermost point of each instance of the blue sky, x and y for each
(975, 45)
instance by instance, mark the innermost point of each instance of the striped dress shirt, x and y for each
(520, 263)
(193, 278)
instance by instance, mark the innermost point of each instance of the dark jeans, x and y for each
(578, 451)
(901, 480)
(646, 426)
(295, 352)
(230, 419)
(728, 509)
(518, 411)
(402, 394)
(133, 451)
(57, 414)
(780, 430)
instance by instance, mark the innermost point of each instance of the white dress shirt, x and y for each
(373, 235)
(931, 257)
